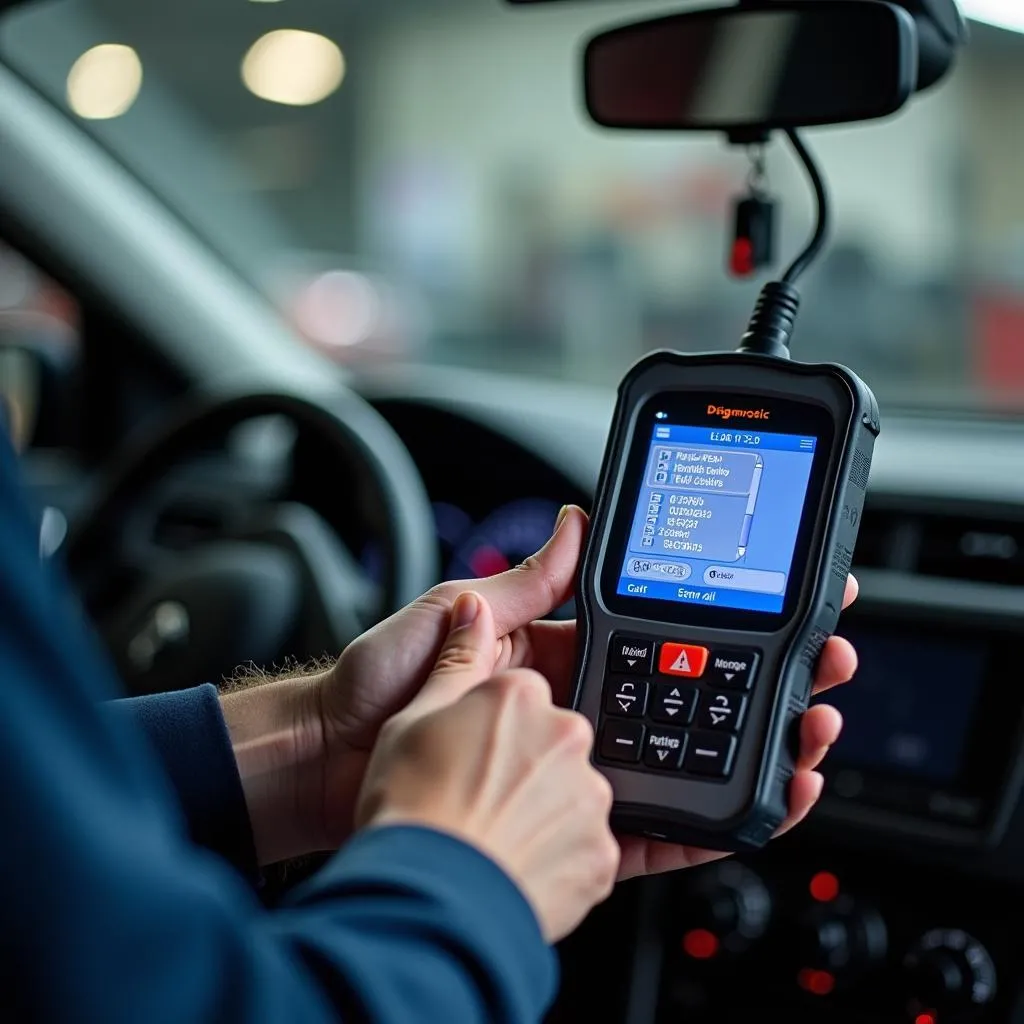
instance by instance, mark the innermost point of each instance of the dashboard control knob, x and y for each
(730, 903)
(949, 971)
(842, 937)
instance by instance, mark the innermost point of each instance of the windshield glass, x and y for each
(416, 180)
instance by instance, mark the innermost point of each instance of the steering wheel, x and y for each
(261, 581)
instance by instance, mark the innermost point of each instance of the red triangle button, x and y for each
(682, 660)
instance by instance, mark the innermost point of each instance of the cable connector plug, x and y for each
(772, 322)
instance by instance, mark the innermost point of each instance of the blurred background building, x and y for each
(415, 180)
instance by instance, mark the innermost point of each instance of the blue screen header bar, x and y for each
(734, 437)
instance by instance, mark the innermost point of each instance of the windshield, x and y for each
(415, 180)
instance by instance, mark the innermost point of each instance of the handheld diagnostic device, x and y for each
(719, 549)
(720, 544)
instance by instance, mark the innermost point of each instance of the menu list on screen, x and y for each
(717, 517)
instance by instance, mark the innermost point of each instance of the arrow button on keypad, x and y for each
(631, 656)
(674, 705)
(625, 698)
(664, 749)
(722, 712)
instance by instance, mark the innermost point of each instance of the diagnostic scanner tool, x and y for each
(720, 543)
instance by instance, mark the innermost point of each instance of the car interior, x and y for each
(306, 306)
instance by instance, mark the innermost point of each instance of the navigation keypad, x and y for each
(645, 723)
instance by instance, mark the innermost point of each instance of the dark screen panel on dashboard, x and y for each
(911, 705)
(932, 723)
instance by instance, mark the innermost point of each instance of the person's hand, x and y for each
(380, 672)
(496, 764)
(302, 743)
(384, 669)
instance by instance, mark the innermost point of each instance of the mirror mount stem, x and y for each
(749, 137)
(771, 325)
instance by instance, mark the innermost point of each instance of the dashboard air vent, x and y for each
(975, 548)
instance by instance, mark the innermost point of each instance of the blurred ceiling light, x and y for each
(293, 67)
(1001, 13)
(105, 81)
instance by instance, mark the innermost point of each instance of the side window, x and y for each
(40, 344)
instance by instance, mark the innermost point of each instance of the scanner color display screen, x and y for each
(717, 517)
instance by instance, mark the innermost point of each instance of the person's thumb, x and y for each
(467, 657)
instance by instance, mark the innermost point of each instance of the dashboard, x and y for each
(899, 900)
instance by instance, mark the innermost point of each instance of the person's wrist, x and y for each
(277, 735)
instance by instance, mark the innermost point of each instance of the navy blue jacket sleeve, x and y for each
(188, 733)
(111, 913)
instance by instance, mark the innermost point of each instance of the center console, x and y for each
(810, 937)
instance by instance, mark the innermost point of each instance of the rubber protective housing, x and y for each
(744, 811)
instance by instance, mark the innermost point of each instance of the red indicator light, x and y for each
(818, 983)
(925, 1018)
(700, 944)
(822, 983)
(824, 887)
(741, 261)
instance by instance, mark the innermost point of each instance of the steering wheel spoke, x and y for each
(341, 600)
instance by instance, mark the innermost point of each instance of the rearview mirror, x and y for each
(748, 70)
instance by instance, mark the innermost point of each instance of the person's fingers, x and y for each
(647, 857)
(852, 590)
(466, 658)
(543, 582)
(837, 664)
(641, 857)
(397, 655)
(819, 729)
(804, 792)
(547, 646)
